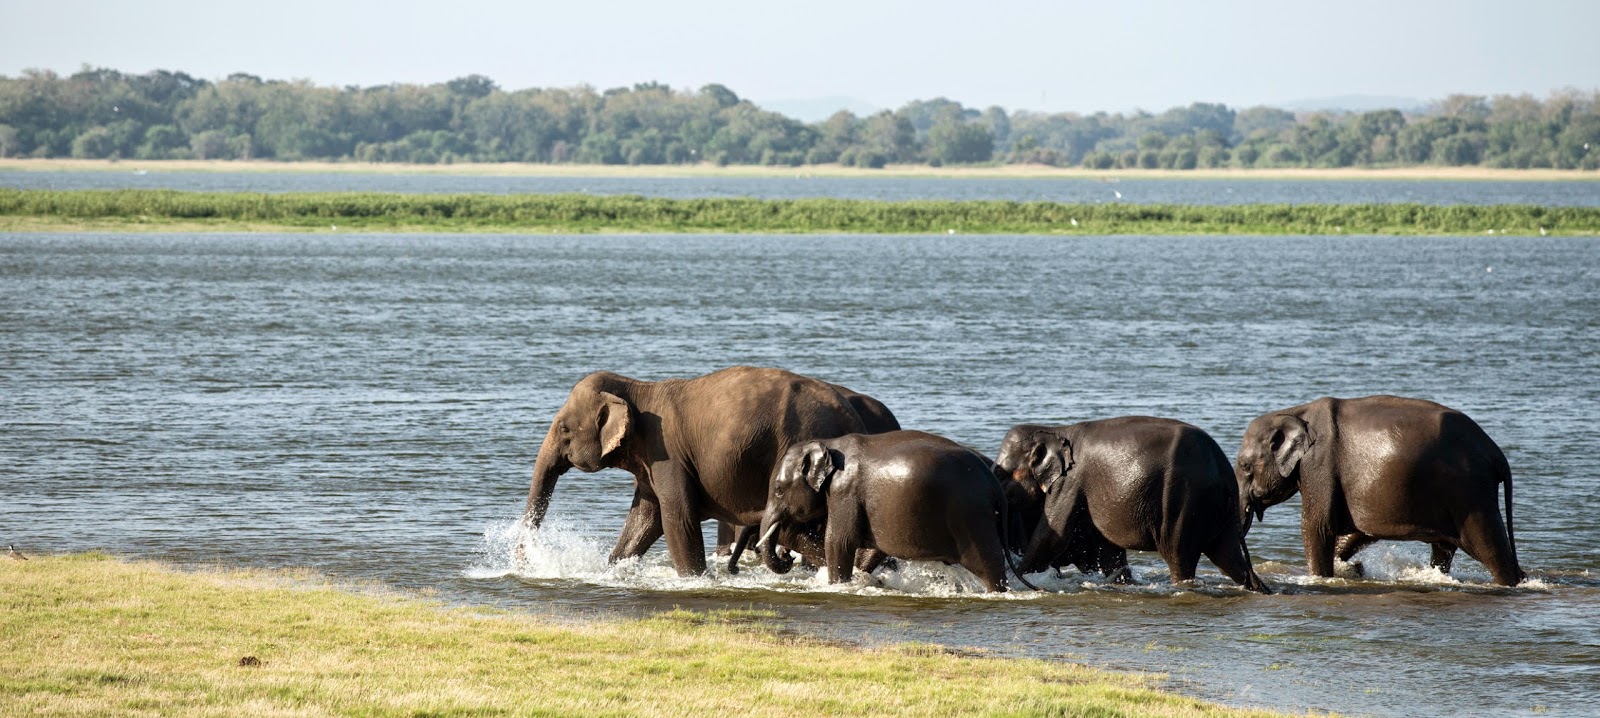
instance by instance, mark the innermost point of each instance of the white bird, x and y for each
(13, 554)
(1118, 194)
(1074, 221)
(1542, 232)
(951, 231)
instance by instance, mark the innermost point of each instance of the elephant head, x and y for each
(798, 494)
(1032, 465)
(1268, 465)
(586, 433)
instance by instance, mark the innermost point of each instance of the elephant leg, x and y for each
(1181, 563)
(1348, 545)
(679, 524)
(1228, 553)
(869, 559)
(840, 543)
(1319, 542)
(746, 535)
(1114, 563)
(641, 529)
(725, 538)
(1444, 554)
(1483, 537)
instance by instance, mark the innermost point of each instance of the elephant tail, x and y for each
(1511, 531)
(1005, 530)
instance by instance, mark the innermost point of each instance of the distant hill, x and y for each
(819, 108)
(1356, 103)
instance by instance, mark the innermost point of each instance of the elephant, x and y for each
(1382, 468)
(1099, 488)
(910, 494)
(701, 448)
(807, 539)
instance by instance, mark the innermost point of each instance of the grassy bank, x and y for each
(86, 635)
(997, 171)
(167, 210)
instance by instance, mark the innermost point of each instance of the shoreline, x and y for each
(833, 171)
(87, 634)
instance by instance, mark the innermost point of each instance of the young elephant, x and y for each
(1382, 467)
(910, 494)
(1134, 482)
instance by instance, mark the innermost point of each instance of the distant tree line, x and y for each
(103, 113)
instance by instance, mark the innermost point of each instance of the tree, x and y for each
(955, 141)
(472, 87)
(97, 143)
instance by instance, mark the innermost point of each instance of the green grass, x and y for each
(92, 636)
(167, 210)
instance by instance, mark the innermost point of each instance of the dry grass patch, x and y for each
(91, 636)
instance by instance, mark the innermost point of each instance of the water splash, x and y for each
(559, 551)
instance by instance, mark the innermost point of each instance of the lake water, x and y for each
(803, 185)
(370, 406)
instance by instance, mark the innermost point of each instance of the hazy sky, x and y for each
(1049, 56)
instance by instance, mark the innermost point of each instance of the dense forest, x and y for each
(103, 113)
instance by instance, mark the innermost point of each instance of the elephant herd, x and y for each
(827, 473)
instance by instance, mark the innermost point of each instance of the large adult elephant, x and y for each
(1382, 467)
(876, 418)
(698, 449)
(1133, 482)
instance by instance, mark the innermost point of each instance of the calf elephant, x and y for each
(909, 494)
(732, 541)
(1382, 467)
(1134, 482)
(698, 449)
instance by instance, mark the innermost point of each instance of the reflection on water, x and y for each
(369, 406)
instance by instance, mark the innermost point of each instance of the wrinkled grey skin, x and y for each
(910, 494)
(1133, 482)
(699, 449)
(807, 540)
(1382, 467)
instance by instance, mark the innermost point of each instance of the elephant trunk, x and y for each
(769, 545)
(548, 467)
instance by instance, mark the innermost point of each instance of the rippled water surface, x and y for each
(802, 184)
(370, 406)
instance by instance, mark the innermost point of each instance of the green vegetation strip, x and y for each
(85, 635)
(570, 213)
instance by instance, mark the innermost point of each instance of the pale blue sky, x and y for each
(1049, 56)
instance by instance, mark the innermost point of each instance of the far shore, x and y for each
(513, 169)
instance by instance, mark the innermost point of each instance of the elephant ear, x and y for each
(818, 465)
(614, 418)
(1290, 439)
(1049, 459)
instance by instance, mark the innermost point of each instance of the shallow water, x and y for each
(802, 184)
(370, 406)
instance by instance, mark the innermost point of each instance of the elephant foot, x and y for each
(1352, 569)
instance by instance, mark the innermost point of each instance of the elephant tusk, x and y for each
(768, 535)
